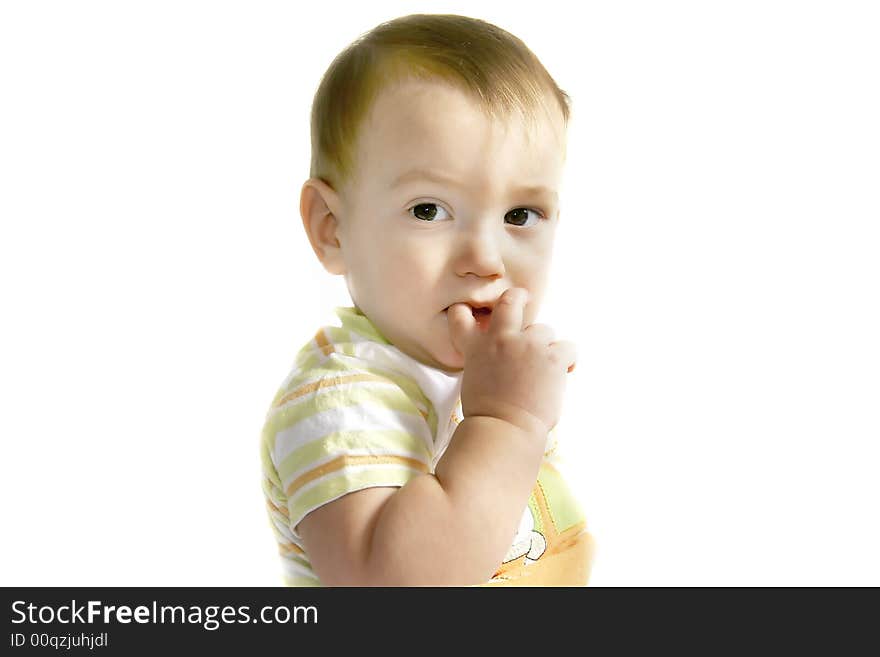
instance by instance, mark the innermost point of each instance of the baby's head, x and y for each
(438, 143)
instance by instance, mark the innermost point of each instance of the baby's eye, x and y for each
(427, 212)
(522, 216)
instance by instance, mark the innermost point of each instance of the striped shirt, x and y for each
(356, 412)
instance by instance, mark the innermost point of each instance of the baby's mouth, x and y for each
(481, 315)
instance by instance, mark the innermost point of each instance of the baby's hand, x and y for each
(512, 373)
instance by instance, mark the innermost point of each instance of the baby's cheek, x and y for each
(398, 261)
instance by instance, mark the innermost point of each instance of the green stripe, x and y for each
(336, 335)
(563, 506)
(298, 560)
(354, 320)
(278, 395)
(300, 580)
(266, 461)
(273, 492)
(308, 359)
(381, 442)
(308, 354)
(345, 481)
(311, 355)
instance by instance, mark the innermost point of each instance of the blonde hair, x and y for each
(491, 65)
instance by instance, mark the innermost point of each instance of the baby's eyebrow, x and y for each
(437, 177)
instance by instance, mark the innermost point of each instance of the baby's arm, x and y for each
(450, 528)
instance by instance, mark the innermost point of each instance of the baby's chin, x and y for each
(439, 356)
(448, 357)
(449, 361)
(454, 367)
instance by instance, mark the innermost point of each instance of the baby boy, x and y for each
(414, 444)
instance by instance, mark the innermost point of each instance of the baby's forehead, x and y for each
(456, 131)
(442, 128)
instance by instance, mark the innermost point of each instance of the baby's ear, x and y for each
(317, 204)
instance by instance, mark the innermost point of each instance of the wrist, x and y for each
(519, 422)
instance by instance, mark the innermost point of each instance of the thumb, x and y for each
(462, 326)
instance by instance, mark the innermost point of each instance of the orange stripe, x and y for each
(324, 344)
(272, 507)
(328, 382)
(568, 537)
(513, 564)
(347, 460)
(290, 547)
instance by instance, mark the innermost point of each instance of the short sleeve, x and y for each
(343, 433)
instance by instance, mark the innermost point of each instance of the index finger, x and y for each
(462, 326)
(507, 316)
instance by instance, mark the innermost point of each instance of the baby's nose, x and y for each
(480, 254)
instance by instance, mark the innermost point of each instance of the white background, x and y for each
(716, 265)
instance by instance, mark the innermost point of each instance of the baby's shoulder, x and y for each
(341, 383)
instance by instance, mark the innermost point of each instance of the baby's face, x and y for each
(448, 206)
